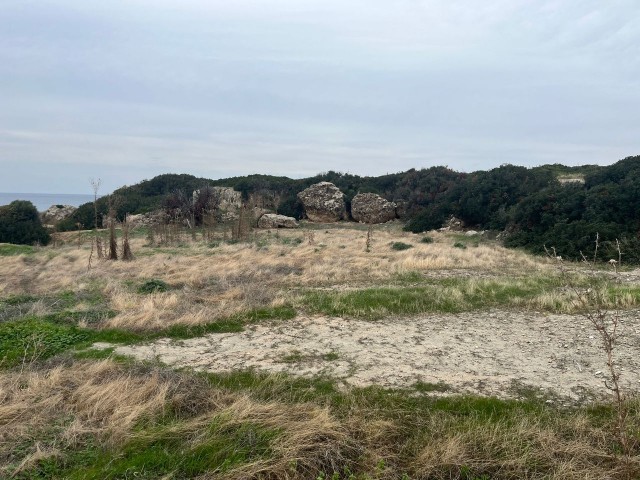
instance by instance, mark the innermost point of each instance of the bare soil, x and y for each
(507, 354)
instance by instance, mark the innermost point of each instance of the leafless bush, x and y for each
(241, 230)
(127, 255)
(607, 323)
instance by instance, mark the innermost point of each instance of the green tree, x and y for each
(20, 223)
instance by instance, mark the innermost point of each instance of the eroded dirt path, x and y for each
(487, 353)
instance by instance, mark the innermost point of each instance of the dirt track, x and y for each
(487, 353)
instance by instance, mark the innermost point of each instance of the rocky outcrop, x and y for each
(223, 202)
(372, 208)
(324, 203)
(272, 220)
(56, 213)
(453, 224)
(146, 219)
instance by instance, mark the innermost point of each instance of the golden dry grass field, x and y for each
(325, 352)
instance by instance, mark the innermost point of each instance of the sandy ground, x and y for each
(500, 353)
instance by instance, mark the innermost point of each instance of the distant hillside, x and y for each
(531, 204)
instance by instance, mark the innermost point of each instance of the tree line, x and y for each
(531, 205)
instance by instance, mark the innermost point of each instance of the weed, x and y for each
(426, 239)
(331, 356)
(153, 286)
(424, 387)
(294, 357)
(460, 245)
(399, 246)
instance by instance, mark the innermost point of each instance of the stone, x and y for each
(223, 202)
(145, 219)
(56, 213)
(470, 233)
(372, 208)
(324, 203)
(453, 224)
(273, 220)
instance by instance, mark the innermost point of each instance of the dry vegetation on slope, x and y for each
(67, 413)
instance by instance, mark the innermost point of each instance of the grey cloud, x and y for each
(289, 87)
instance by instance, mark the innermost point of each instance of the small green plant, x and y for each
(294, 357)
(426, 387)
(427, 239)
(292, 241)
(460, 245)
(331, 356)
(153, 286)
(399, 246)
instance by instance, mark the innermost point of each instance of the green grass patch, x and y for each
(10, 249)
(409, 277)
(34, 339)
(426, 387)
(153, 286)
(389, 402)
(452, 295)
(331, 356)
(293, 357)
(17, 300)
(175, 450)
(232, 324)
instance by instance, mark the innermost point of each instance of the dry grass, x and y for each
(336, 256)
(48, 413)
(210, 283)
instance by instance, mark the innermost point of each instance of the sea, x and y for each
(42, 201)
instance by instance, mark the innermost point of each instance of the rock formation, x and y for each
(453, 224)
(372, 208)
(145, 219)
(323, 202)
(223, 202)
(272, 220)
(56, 213)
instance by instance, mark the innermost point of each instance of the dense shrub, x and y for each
(400, 246)
(20, 223)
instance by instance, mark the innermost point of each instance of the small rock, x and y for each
(272, 220)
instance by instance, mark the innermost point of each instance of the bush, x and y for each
(153, 286)
(427, 239)
(20, 224)
(400, 246)
(460, 245)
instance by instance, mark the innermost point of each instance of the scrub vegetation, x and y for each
(71, 407)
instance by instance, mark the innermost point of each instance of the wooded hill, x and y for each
(552, 205)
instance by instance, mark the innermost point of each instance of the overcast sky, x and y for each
(128, 89)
